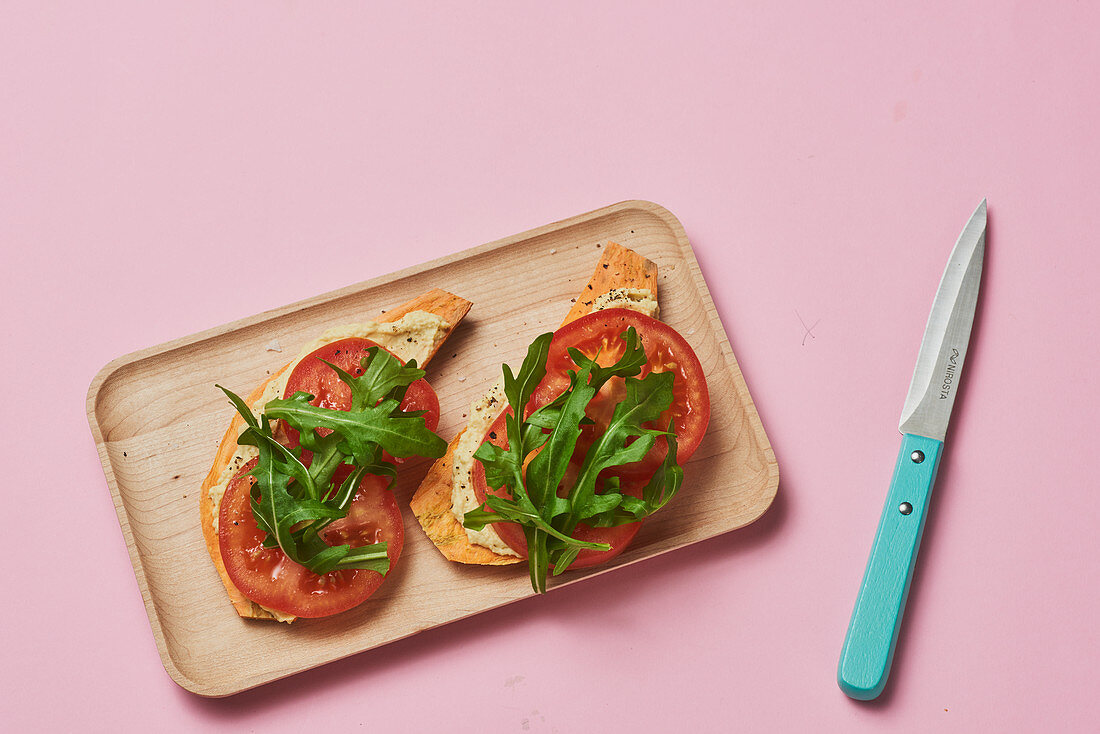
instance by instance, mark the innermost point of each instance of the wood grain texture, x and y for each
(157, 421)
(617, 267)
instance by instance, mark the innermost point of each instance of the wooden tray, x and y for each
(157, 420)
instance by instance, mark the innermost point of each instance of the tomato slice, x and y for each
(313, 376)
(597, 335)
(268, 577)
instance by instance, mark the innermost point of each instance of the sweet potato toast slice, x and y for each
(618, 267)
(432, 506)
(447, 305)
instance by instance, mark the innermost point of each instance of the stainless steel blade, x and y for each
(943, 349)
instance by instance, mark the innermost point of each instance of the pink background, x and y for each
(164, 169)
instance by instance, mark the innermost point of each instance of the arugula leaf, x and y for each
(501, 465)
(662, 487)
(293, 503)
(275, 509)
(381, 377)
(645, 400)
(547, 469)
(401, 434)
(518, 389)
(241, 406)
(551, 433)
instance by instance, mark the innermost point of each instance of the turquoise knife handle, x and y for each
(873, 631)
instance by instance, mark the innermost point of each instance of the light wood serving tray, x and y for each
(157, 420)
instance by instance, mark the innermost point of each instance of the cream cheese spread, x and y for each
(635, 299)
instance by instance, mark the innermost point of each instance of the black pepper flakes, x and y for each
(493, 435)
(605, 266)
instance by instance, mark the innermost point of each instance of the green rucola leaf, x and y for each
(666, 482)
(383, 375)
(645, 400)
(504, 510)
(292, 465)
(661, 488)
(325, 557)
(547, 469)
(500, 464)
(400, 434)
(241, 406)
(277, 511)
(327, 456)
(538, 560)
(562, 559)
(370, 557)
(519, 388)
(628, 365)
(601, 503)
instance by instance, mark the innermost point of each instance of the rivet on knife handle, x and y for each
(873, 631)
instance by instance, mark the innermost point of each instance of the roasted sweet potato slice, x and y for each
(440, 302)
(618, 267)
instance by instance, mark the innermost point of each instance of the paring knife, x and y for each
(873, 630)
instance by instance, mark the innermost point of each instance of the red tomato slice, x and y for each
(268, 577)
(597, 335)
(313, 376)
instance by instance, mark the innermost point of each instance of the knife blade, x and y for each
(876, 618)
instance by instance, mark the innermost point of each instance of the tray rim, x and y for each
(105, 373)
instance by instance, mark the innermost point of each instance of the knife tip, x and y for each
(980, 213)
